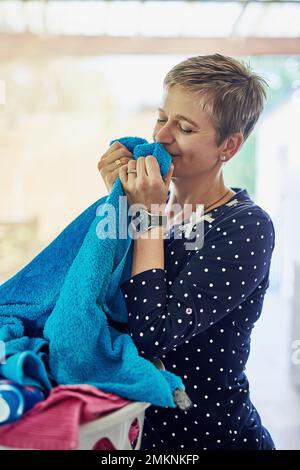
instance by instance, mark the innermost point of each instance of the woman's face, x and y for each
(187, 133)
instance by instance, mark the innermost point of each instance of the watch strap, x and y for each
(154, 220)
(157, 220)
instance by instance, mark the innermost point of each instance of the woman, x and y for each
(195, 309)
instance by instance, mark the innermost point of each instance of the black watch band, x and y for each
(157, 220)
(147, 220)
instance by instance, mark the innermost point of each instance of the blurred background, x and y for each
(76, 74)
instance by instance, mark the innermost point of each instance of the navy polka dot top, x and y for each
(196, 315)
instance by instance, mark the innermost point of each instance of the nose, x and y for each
(163, 135)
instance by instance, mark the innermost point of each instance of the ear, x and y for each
(232, 145)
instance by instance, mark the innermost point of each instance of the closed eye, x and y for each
(185, 131)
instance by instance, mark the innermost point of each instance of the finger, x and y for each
(168, 177)
(107, 167)
(115, 146)
(119, 148)
(111, 166)
(115, 153)
(114, 175)
(141, 167)
(131, 165)
(152, 167)
(123, 175)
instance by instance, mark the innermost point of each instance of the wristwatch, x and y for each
(142, 221)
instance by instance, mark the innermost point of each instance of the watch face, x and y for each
(139, 221)
(142, 220)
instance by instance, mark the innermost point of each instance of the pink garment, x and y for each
(53, 424)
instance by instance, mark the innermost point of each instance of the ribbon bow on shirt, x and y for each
(194, 219)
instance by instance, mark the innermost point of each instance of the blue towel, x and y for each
(54, 312)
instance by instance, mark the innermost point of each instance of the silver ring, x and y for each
(131, 171)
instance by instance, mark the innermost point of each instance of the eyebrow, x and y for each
(179, 116)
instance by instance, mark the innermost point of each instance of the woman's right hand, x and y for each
(107, 163)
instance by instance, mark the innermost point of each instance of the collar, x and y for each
(240, 196)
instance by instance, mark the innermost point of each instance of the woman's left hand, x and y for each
(146, 186)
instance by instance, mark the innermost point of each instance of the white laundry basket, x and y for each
(114, 427)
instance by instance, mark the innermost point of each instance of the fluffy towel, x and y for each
(53, 424)
(59, 304)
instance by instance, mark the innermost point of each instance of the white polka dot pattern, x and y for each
(197, 314)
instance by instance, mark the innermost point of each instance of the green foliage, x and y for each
(282, 74)
(240, 171)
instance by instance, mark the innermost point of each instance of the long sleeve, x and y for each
(233, 262)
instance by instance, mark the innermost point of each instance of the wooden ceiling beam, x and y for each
(30, 46)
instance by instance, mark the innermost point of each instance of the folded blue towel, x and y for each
(58, 306)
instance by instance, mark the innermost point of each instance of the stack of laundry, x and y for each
(56, 316)
(53, 424)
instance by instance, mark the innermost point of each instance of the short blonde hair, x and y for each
(235, 95)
